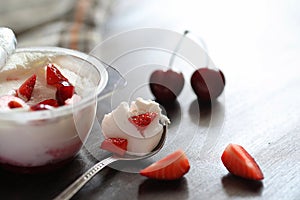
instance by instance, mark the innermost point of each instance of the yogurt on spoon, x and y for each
(140, 125)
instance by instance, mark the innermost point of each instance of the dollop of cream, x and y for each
(117, 125)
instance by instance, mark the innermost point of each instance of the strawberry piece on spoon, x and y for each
(142, 121)
(115, 145)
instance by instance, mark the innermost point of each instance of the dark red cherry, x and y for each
(208, 83)
(166, 85)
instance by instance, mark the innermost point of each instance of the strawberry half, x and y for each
(25, 90)
(240, 163)
(172, 167)
(45, 105)
(115, 145)
(54, 77)
(142, 120)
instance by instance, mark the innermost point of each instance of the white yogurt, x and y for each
(30, 143)
(21, 66)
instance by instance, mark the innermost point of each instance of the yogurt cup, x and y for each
(38, 141)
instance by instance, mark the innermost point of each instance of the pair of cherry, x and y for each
(207, 84)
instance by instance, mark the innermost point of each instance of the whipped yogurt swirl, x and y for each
(117, 125)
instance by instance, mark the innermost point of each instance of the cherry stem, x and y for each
(171, 62)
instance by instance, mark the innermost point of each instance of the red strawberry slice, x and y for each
(65, 89)
(45, 105)
(14, 104)
(63, 93)
(8, 102)
(240, 163)
(54, 76)
(25, 90)
(142, 121)
(115, 145)
(173, 166)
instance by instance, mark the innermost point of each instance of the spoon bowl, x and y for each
(70, 191)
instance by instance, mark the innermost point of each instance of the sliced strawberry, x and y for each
(115, 145)
(54, 76)
(240, 163)
(172, 167)
(8, 102)
(45, 105)
(63, 93)
(14, 104)
(65, 89)
(25, 90)
(143, 120)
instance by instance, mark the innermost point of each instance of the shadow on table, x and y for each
(210, 118)
(236, 186)
(154, 189)
(203, 113)
(173, 111)
(38, 186)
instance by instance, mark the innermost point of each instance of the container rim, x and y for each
(63, 110)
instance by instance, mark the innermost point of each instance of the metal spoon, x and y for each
(83, 179)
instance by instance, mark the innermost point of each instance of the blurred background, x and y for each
(243, 38)
(235, 31)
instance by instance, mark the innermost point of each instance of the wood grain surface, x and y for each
(257, 46)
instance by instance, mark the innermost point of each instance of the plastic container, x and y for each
(40, 141)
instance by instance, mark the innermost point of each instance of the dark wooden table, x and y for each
(257, 46)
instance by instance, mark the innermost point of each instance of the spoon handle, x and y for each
(83, 179)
